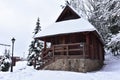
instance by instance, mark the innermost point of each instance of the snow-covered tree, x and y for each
(103, 14)
(106, 18)
(91, 10)
(81, 7)
(38, 27)
(34, 52)
(35, 48)
(5, 61)
(78, 5)
(114, 44)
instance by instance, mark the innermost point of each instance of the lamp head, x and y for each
(13, 39)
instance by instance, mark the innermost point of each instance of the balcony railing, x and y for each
(60, 51)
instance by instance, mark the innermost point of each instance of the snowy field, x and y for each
(110, 71)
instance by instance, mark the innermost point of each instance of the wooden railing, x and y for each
(68, 47)
(74, 50)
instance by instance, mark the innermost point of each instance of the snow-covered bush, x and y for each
(5, 61)
(114, 44)
(5, 65)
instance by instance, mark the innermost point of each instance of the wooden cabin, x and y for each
(74, 44)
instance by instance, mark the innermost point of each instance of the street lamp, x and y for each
(13, 40)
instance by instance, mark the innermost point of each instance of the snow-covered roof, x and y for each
(65, 27)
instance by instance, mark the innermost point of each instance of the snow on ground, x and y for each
(110, 71)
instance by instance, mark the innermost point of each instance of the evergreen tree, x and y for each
(35, 48)
(105, 16)
(38, 27)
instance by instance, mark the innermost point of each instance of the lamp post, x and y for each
(13, 40)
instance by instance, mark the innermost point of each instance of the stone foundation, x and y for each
(77, 65)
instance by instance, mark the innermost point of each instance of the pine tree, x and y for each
(38, 27)
(35, 48)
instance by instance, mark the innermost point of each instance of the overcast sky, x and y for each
(18, 19)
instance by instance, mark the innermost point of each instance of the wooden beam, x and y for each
(84, 51)
(88, 44)
(53, 52)
(67, 51)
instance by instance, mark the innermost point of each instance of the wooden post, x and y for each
(63, 42)
(84, 51)
(53, 53)
(67, 51)
(92, 53)
(35, 63)
(87, 45)
(84, 58)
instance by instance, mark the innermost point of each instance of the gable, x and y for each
(67, 14)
